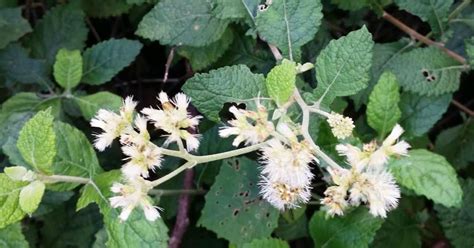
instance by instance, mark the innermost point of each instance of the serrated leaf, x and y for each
(342, 68)
(267, 243)
(68, 68)
(234, 210)
(61, 27)
(281, 82)
(37, 142)
(104, 60)
(435, 12)
(17, 67)
(399, 230)
(458, 223)
(10, 211)
(209, 91)
(383, 111)
(90, 104)
(355, 229)
(75, 155)
(11, 236)
(289, 24)
(185, 22)
(31, 195)
(426, 71)
(105, 8)
(457, 144)
(428, 174)
(12, 26)
(202, 57)
(420, 113)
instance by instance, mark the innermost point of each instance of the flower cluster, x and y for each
(368, 180)
(341, 126)
(141, 154)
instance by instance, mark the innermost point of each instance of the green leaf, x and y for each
(399, 230)
(75, 155)
(17, 67)
(90, 104)
(383, 111)
(202, 57)
(470, 50)
(10, 210)
(427, 71)
(435, 12)
(355, 229)
(234, 209)
(342, 68)
(428, 174)
(209, 91)
(11, 236)
(185, 22)
(61, 27)
(30, 196)
(231, 9)
(104, 60)
(12, 26)
(281, 82)
(37, 143)
(420, 113)
(105, 8)
(267, 243)
(457, 144)
(103, 181)
(289, 24)
(68, 68)
(458, 223)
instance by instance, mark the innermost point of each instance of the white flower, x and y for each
(341, 126)
(335, 201)
(250, 127)
(390, 147)
(130, 136)
(131, 195)
(282, 195)
(112, 124)
(174, 118)
(141, 159)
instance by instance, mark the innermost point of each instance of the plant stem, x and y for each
(64, 178)
(174, 173)
(458, 9)
(165, 192)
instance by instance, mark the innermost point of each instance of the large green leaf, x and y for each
(68, 68)
(17, 67)
(458, 223)
(383, 111)
(90, 104)
(12, 26)
(106, 59)
(420, 113)
(37, 142)
(209, 91)
(11, 236)
(61, 27)
(355, 229)
(10, 210)
(457, 144)
(184, 22)
(428, 174)
(289, 24)
(234, 209)
(435, 12)
(342, 68)
(426, 71)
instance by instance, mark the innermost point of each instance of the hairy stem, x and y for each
(64, 178)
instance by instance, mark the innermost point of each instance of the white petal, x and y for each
(394, 135)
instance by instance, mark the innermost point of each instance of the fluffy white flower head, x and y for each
(282, 195)
(390, 147)
(132, 194)
(341, 126)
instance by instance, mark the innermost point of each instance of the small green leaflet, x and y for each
(383, 111)
(68, 68)
(342, 68)
(31, 195)
(289, 24)
(355, 229)
(184, 22)
(281, 81)
(90, 104)
(37, 142)
(11, 236)
(435, 12)
(428, 174)
(426, 71)
(104, 60)
(209, 91)
(10, 210)
(234, 210)
(12, 26)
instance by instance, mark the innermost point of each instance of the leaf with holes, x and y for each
(289, 24)
(342, 68)
(12, 26)
(383, 111)
(234, 209)
(90, 104)
(10, 210)
(281, 82)
(435, 12)
(185, 22)
(427, 71)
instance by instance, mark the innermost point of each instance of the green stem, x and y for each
(164, 192)
(64, 178)
(187, 165)
(459, 9)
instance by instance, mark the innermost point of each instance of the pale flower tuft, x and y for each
(341, 126)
